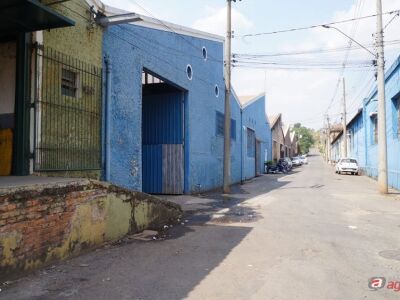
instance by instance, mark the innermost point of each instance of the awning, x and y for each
(29, 15)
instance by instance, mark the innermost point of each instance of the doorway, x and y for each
(258, 158)
(162, 136)
(8, 62)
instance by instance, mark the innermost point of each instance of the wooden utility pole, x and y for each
(227, 127)
(344, 122)
(382, 142)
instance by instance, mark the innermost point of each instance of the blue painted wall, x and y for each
(236, 150)
(132, 48)
(254, 118)
(364, 147)
(356, 139)
(392, 89)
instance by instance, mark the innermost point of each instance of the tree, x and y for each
(305, 136)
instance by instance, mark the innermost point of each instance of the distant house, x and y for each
(295, 148)
(287, 141)
(278, 137)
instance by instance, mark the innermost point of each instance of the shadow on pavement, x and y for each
(169, 268)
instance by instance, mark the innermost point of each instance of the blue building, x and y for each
(370, 108)
(256, 136)
(164, 109)
(362, 137)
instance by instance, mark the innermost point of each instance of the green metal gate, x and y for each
(68, 110)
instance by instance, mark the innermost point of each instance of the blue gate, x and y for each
(162, 138)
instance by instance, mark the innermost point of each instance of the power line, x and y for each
(174, 50)
(391, 20)
(316, 26)
(297, 68)
(353, 32)
(302, 62)
(138, 47)
(168, 27)
(159, 58)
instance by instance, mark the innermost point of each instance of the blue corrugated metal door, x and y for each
(162, 151)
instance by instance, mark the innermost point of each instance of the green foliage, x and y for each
(306, 137)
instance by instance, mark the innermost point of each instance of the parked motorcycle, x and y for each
(280, 167)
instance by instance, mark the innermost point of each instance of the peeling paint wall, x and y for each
(38, 227)
(82, 41)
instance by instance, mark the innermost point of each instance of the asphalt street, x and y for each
(310, 234)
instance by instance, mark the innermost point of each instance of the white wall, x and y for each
(7, 77)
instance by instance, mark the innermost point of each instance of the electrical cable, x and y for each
(161, 22)
(145, 51)
(316, 26)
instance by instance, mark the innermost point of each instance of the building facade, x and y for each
(256, 132)
(278, 137)
(19, 77)
(166, 108)
(362, 139)
(68, 103)
(287, 141)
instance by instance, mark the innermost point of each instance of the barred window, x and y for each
(251, 143)
(375, 130)
(220, 124)
(69, 83)
(398, 116)
(233, 129)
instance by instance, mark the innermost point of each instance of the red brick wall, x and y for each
(32, 223)
(40, 219)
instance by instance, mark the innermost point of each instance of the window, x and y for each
(397, 105)
(189, 72)
(220, 125)
(351, 138)
(216, 90)
(251, 143)
(204, 51)
(374, 130)
(233, 129)
(348, 161)
(69, 83)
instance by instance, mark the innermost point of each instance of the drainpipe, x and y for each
(241, 146)
(107, 119)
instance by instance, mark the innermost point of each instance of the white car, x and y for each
(296, 161)
(304, 159)
(347, 165)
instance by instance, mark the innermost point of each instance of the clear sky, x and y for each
(301, 95)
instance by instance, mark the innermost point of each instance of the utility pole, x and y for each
(382, 143)
(227, 127)
(328, 139)
(344, 121)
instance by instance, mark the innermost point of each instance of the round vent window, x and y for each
(216, 91)
(204, 53)
(189, 72)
